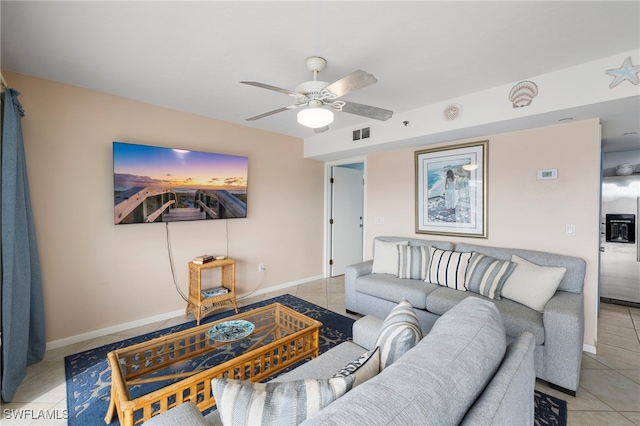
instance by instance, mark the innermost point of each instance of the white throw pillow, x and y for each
(385, 257)
(532, 285)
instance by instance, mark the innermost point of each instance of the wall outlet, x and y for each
(261, 267)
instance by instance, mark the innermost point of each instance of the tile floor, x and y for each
(609, 392)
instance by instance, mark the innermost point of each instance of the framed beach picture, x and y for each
(451, 190)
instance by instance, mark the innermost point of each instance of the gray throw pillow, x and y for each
(413, 262)
(486, 275)
(275, 403)
(400, 332)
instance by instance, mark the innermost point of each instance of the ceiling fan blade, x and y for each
(275, 111)
(274, 88)
(367, 111)
(356, 80)
(321, 129)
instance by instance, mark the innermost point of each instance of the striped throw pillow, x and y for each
(486, 275)
(400, 332)
(362, 368)
(282, 403)
(447, 268)
(413, 262)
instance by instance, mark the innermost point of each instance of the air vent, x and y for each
(361, 134)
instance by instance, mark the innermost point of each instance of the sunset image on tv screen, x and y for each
(156, 184)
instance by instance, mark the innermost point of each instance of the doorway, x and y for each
(346, 216)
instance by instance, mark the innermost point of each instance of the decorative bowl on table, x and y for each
(229, 331)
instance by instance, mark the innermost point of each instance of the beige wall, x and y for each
(523, 212)
(98, 275)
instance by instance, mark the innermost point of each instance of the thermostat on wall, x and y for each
(547, 174)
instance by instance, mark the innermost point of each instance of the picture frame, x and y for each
(451, 190)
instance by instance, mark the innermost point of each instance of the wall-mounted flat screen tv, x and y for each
(155, 184)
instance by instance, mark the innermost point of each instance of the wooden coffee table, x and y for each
(281, 338)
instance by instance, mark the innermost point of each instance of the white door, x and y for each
(347, 199)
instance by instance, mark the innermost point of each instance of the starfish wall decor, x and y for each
(627, 71)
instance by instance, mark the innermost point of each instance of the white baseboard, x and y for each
(111, 330)
(279, 287)
(589, 348)
(54, 344)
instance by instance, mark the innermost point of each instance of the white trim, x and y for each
(54, 344)
(589, 348)
(111, 330)
(279, 287)
(327, 207)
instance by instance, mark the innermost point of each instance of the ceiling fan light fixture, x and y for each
(315, 117)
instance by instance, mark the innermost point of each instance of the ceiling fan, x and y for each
(316, 94)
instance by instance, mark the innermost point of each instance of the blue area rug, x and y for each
(88, 375)
(549, 410)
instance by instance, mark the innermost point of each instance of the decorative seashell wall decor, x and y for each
(453, 112)
(523, 93)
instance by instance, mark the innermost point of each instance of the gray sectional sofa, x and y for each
(463, 372)
(558, 330)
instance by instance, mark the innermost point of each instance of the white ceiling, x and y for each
(190, 56)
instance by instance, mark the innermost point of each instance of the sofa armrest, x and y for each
(563, 320)
(351, 273)
(508, 398)
(365, 331)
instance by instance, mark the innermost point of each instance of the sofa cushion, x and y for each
(362, 368)
(400, 332)
(284, 403)
(323, 366)
(452, 365)
(447, 268)
(183, 414)
(573, 280)
(486, 275)
(385, 257)
(393, 289)
(517, 318)
(532, 285)
(413, 262)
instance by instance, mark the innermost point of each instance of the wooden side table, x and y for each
(201, 306)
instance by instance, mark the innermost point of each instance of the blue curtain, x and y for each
(23, 334)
